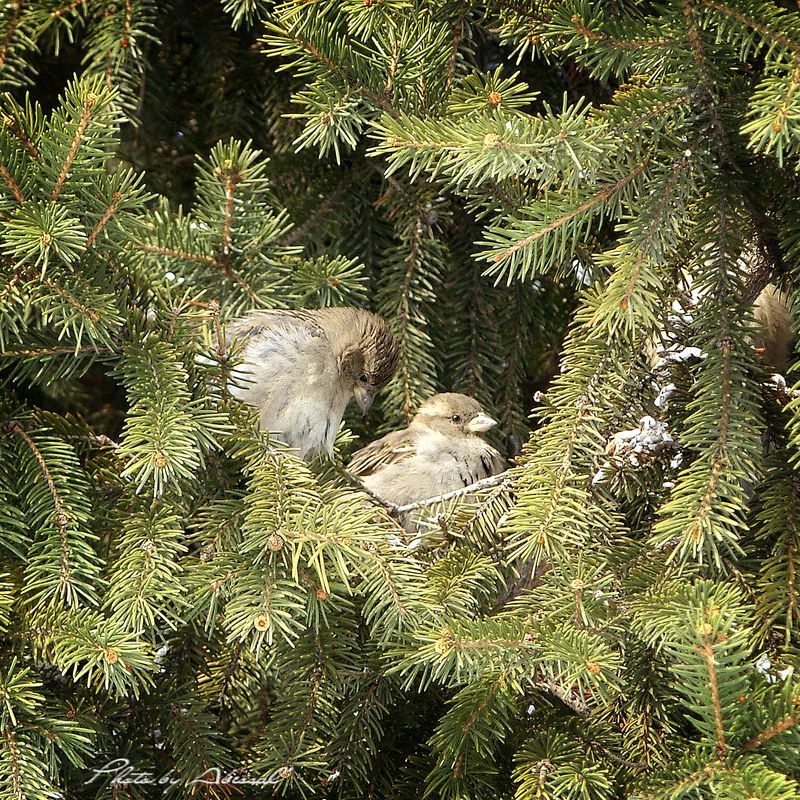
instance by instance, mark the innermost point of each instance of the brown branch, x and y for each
(109, 212)
(716, 704)
(565, 696)
(749, 22)
(60, 516)
(772, 259)
(13, 126)
(54, 351)
(619, 44)
(181, 254)
(336, 70)
(85, 311)
(214, 310)
(791, 610)
(779, 727)
(12, 27)
(237, 278)
(64, 9)
(404, 314)
(127, 23)
(83, 123)
(458, 33)
(13, 755)
(105, 441)
(595, 200)
(394, 62)
(501, 479)
(227, 225)
(12, 184)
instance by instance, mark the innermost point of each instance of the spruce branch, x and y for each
(89, 313)
(18, 6)
(617, 43)
(778, 728)
(757, 25)
(231, 179)
(316, 218)
(404, 318)
(597, 199)
(59, 12)
(60, 515)
(716, 705)
(13, 126)
(102, 222)
(83, 123)
(183, 255)
(569, 698)
(694, 35)
(339, 72)
(792, 608)
(12, 184)
(17, 786)
(30, 352)
(502, 479)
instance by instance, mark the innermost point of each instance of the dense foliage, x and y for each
(565, 207)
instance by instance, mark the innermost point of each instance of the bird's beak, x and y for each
(480, 423)
(364, 398)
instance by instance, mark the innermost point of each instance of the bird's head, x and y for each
(454, 415)
(365, 349)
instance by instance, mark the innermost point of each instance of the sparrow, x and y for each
(300, 369)
(774, 339)
(440, 451)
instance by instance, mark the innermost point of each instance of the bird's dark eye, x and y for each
(363, 377)
(456, 418)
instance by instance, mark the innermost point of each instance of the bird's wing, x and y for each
(492, 462)
(289, 372)
(273, 323)
(277, 344)
(394, 448)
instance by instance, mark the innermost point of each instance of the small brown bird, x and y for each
(440, 451)
(302, 368)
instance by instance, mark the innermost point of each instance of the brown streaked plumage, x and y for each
(302, 368)
(440, 451)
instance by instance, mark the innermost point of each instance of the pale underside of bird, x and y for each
(440, 451)
(300, 369)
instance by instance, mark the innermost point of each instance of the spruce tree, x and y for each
(564, 208)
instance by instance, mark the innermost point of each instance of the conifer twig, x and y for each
(779, 727)
(83, 123)
(103, 221)
(60, 515)
(12, 184)
(502, 478)
(12, 27)
(181, 254)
